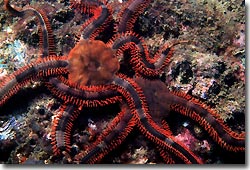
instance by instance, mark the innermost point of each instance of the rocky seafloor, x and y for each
(211, 69)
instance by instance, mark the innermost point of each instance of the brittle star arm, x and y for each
(102, 16)
(76, 98)
(113, 135)
(129, 14)
(46, 40)
(11, 84)
(142, 63)
(138, 106)
(208, 119)
(82, 96)
(61, 128)
(99, 150)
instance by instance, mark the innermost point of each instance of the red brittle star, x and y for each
(89, 77)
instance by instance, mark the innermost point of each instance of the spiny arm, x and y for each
(46, 39)
(102, 16)
(142, 62)
(113, 135)
(139, 108)
(92, 96)
(11, 84)
(208, 119)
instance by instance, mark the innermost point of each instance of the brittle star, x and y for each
(90, 77)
